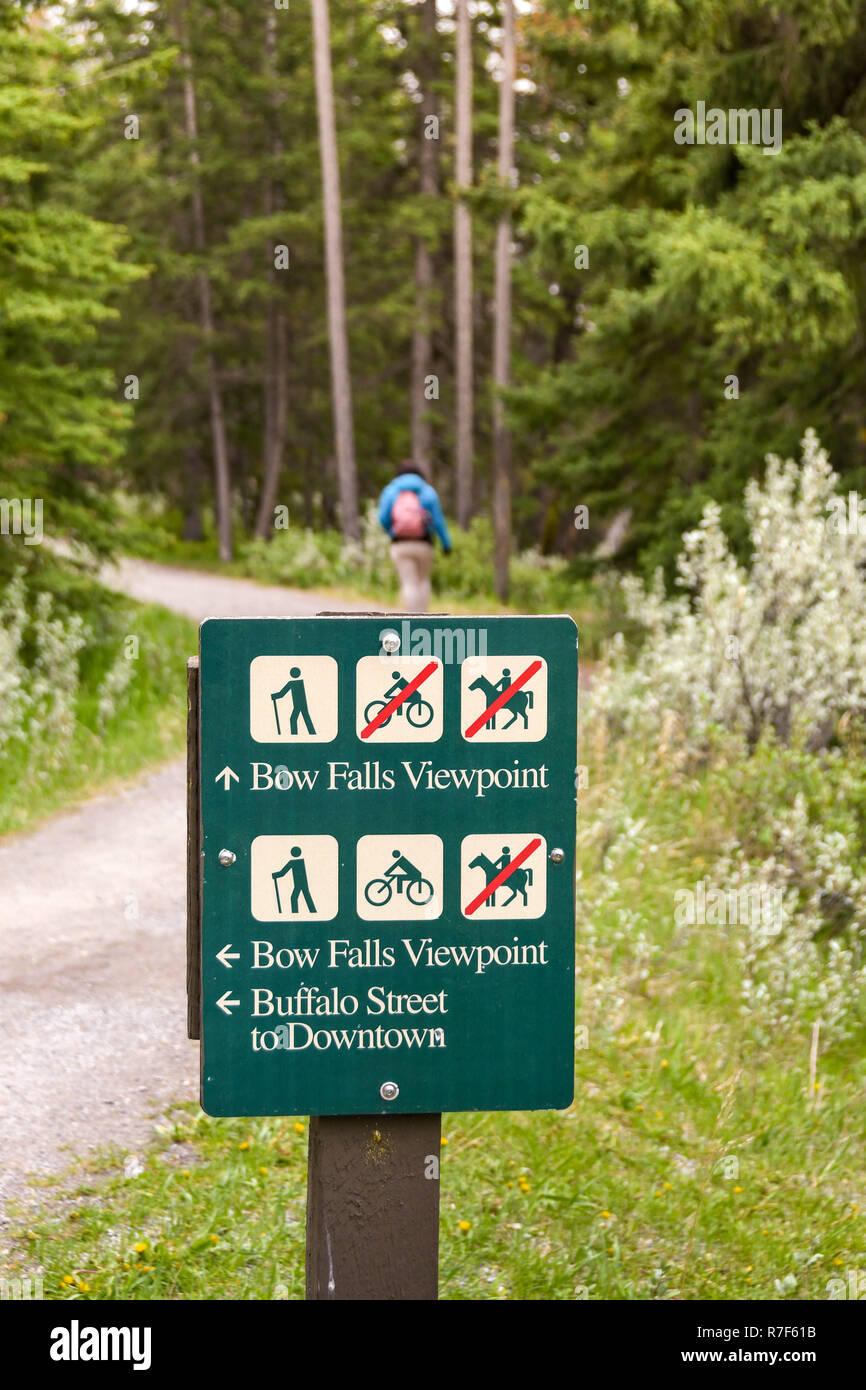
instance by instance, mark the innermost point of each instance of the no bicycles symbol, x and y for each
(399, 701)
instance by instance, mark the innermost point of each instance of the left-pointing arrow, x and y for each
(226, 777)
(227, 954)
(226, 1004)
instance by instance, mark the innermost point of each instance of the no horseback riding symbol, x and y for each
(399, 877)
(293, 878)
(503, 877)
(293, 699)
(503, 699)
(399, 699)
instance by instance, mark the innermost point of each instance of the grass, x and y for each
(148, 724)
(698, 1160)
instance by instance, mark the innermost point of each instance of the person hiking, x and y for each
(410, 511)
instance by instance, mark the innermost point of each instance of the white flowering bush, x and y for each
(13, 684)
(38, 689)
(779, 644)
(368, 562)
(808, 963)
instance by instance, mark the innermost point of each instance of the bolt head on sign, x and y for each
(394, 908)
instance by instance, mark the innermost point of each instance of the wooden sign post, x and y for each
(381, 921)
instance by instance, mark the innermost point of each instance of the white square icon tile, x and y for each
(293, 699)
(519, 861)
(380, 680)
(294, 878)
(399, 878)
(522, 718)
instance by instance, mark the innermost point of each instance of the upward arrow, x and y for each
(226, 777)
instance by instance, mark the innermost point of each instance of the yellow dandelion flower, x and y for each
(658, 1192)
(638, 1107)
(658, 1114)
(185, 1172)
(509, 1184)
(82, 1287)
(298, 1127)
(443, 1141)
(738, 1189)
(464, 1225)
(664, 1062)
(140, 1247)
(837, 1261)
(263, 1169)
(245, 1144)
(605, 1214)
(748, 1269)
(668, 1186)
(214, 1239)
(68, 1279)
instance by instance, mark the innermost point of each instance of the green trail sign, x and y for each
(388, 828)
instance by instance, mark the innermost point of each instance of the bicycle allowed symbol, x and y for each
(419, 712)
(402, 874)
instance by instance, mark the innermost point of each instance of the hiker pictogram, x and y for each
(295, 688)
(399, 877)
(402, 873)
(399, 701)
(294, 878)
(503, 698)
(293, 699)
(503, 877)
(300, 887)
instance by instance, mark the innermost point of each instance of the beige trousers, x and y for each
(413, 561)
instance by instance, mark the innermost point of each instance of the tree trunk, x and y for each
(191, 494)
(422, 343)
(276, 352)
(217, 416)
(341, 384)
(502, 317)
(463, 265)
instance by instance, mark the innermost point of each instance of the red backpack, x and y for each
(409, 519)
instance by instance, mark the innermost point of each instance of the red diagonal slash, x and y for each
(503, 874)
(502, 699)
(398, 700)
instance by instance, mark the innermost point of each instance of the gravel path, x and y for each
(92, 939)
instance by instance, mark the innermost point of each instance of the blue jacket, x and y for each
(427, 496)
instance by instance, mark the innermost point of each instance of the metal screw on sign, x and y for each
(391, 642)
(227, 857)
(557, 855)
(389, 1090)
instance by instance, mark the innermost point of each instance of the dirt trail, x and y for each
(92, 939)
